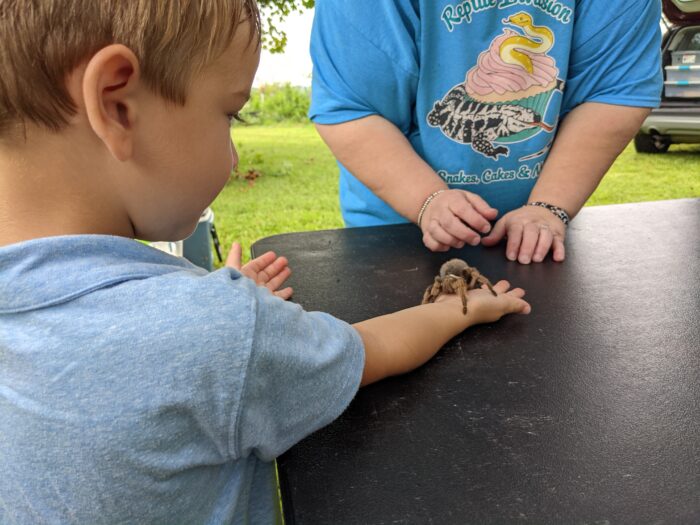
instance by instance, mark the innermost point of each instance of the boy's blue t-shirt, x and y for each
(477, 86)
(136, 388)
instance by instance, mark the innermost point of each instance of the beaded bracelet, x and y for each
(556, 210)
(425, 205)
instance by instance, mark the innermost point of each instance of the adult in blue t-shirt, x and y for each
(455, 113)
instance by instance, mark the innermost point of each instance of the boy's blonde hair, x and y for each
(42, 41)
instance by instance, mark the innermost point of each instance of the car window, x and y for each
(687, 39)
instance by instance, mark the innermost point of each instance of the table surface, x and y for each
(585, 411)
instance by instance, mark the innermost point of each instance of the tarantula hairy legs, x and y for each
(456, 277)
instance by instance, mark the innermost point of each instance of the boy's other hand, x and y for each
(268, 270)
(483, 307)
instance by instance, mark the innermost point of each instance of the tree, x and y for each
(273, 14)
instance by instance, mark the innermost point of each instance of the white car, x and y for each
(677, 120)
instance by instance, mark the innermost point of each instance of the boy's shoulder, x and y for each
(54, 271)
(140, 313)
(92, 293)
(134, 359)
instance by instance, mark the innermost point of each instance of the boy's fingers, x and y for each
(277, 280)
(501, 286)
(517, 292)
(261, 263)
(516, 305)
(270, 271)
(277, 266)
(234, 257)
(285, 294)
(522, 307)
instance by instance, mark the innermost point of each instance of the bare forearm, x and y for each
(404, 340)
(588, 141)
(378, 154)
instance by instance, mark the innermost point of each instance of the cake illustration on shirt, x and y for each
(505, 96)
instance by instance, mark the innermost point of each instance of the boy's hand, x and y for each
(483, 307)
(268, 270)
(402, 341)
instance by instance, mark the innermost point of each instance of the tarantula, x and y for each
(456, 276)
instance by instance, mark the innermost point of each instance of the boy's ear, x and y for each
(110, 81)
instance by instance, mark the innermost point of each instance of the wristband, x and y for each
(425, 205)
(556, 210)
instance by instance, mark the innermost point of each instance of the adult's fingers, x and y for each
(481, 206)
(452, 212)
(544, 243)
(435, 230)
(465, 211)
(558, 249)
(515, 237)
(498, 232)
(433, 245)
(454, 226)
(531, 233)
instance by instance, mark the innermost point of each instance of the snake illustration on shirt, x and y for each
(505, 96)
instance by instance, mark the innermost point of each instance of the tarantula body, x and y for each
(456, 277)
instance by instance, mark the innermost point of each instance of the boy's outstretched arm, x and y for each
(402, 341)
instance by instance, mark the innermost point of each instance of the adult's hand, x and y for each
(532, 232)
(589, 139)
(454, 218)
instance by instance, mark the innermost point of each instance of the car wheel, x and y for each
(644, 143)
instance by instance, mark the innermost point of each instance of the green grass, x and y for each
(298, 186)
(297, 189)
(637, 177)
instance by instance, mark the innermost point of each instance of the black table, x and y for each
(586, 411)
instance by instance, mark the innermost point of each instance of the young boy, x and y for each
(133, 386)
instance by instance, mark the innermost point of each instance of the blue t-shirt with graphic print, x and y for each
(477, 86)
(137, 388)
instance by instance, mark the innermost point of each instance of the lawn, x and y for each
(297, 186)
(296, 191)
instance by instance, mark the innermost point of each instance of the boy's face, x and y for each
(185, 153)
